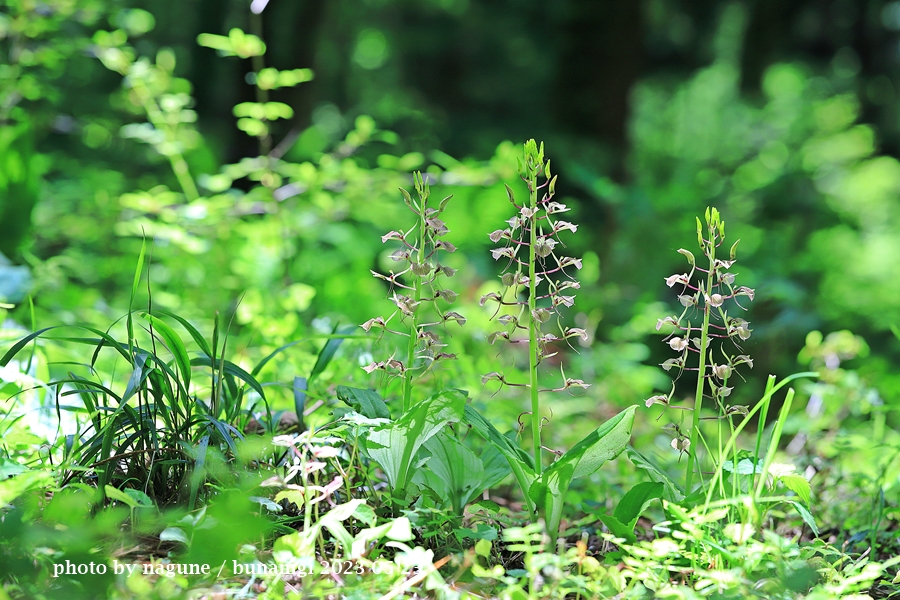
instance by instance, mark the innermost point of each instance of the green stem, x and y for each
(701, 373)
(533, 325)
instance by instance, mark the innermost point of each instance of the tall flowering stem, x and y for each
(534, 269)
(708, 291)
(421, 299)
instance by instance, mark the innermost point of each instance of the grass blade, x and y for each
(175, 346)
(198, 472)
(21, 344)
(231, 369)
(195, 335)
(328, 351)
(300, 387)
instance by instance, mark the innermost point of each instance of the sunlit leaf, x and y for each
(394, 446)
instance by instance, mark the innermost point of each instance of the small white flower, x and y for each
(667, 321)
(392, 235)
(568, 261)
(497, 235)
(722, 371)
(678, 344)
(682, 278)
(527, 212)
(565, 300)
(376, 322)
(659, 399)
(544, 246)
(576, 383)
(507, 251)
(576, 332)
(565, 225)
(326, 451)
(556, 207)
(687, 300)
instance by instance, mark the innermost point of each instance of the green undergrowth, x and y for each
(318, 386)
(183, 470)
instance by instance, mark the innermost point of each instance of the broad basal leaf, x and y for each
(365, 402)
(584, 458)
(453, 470)
(520, 462)
(394, 446)
(621, 523)
(672, 492)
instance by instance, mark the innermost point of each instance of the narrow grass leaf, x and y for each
(175, 345)
(139, 269)
(776, 439)
(8, 356)
(192, 331)
(198, 473)
(226, 432)
(113, 343)
(328, 351)
(138, 376)
(300, 387)
(231, 369)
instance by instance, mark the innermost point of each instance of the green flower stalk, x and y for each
(421, 296)
(706, 293)
(536, 281)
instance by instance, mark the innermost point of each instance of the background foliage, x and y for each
(783, 115)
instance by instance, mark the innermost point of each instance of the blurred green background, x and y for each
(784, 115)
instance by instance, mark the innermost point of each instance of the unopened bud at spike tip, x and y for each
(687, 254)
